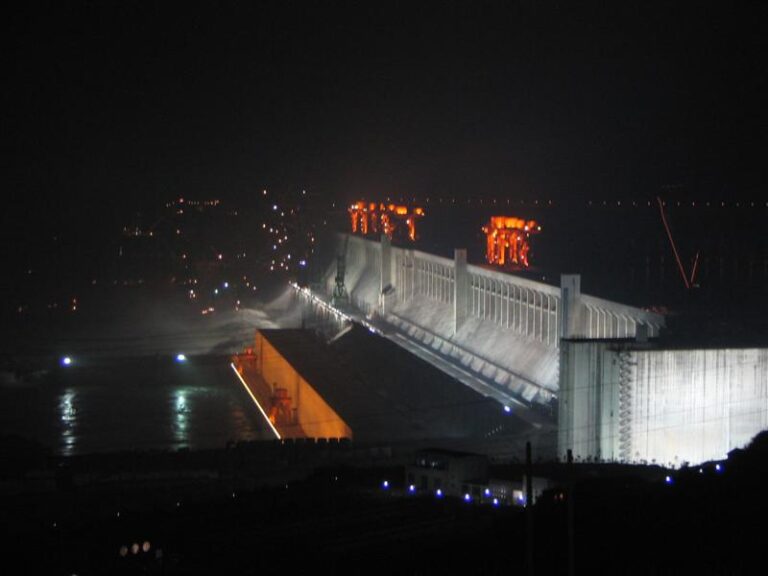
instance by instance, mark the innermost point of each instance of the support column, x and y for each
(385, 287)
(461, 288)
(386, 262)
(570, 296)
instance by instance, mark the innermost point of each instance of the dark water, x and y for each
(145, 403)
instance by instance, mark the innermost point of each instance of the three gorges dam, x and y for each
(585, 374)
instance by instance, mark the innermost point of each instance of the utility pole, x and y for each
(571, 527)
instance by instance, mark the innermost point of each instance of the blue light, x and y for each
(439, 493)
(668, 479)
(302, 263)
(66, 361)
(412, 489)
(385, 484)
(507, 409)
(487, 492)
(181, 358)
(495, 501)
(718, 468)
(467, 498)
(226, 284)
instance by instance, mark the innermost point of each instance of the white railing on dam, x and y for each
(419, 273)
(529, 308)
(511, 326)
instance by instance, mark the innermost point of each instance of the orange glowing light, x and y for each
(507, 240)
(371, 218)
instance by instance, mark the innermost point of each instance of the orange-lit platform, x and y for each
(389, 219)
(508, 240)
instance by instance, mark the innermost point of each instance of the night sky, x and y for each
(113, 105)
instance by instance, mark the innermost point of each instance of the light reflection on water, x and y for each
(182, 417)
(141, 403)
(138, 404)
(68, 416)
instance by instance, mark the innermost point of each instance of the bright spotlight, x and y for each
(181, 358)
(66, 361)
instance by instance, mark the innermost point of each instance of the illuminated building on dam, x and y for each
(618, 395)
(629, 400)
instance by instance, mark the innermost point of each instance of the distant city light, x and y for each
(412, 489)
(718, 468)
(181, 358)
(226, 284)
(467, 498)
(668, 479)
(215, 290)
(385, 484)
(439, 493)
(66, 361)
(507, 409)
(487, 492)
(495, 501)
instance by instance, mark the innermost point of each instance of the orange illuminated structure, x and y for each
(281, 411)
(508, 240)
(371, 218)
(286, 399)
